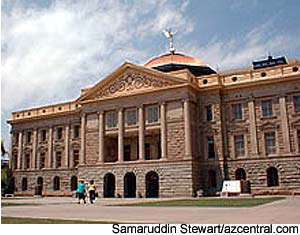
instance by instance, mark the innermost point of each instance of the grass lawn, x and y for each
(5, 204)
(16, 220)
(210, 202)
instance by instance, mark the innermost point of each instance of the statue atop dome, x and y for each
(169, 35)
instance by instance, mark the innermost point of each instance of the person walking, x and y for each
(92, 191)
(81, 191)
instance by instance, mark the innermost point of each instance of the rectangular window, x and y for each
(267, 109)
(28, 137)
(152, 114)
(211, 147)
(209, 112)
(296, 102)
(147, 151)
(239, 145)
(42, 160)
(270, 143)
(58, 159)
(237, 111)
(111, 119)
(75, 157)
(131, 117)
(43, 135)
(127, 152)
(27, 161)
(15, 161)
(15, 139)
(76, 132)
(59, 132)
(298, 138)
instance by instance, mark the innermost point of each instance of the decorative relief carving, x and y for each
(130, 82)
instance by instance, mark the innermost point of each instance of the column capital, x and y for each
(100, 112)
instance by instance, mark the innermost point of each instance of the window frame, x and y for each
(111, 119)
(296, 108)
(209, 109)
(234, 112)
(211, 141)
(265, 112)
(127, 116)
(150, 119)
(239, 153)
(273, 148)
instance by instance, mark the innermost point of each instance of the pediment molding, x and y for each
(130, 79)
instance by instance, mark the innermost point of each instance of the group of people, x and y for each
(84, 190)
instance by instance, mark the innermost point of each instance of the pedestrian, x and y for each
(92, 191)
(81, 191)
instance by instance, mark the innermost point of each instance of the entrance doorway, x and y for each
(74, 183)
(39, 186)
(152, 184)
(109, 185)
(240, 174)
(129, 185)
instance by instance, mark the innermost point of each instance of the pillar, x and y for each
(284, 125)
(50, 150)
(67, 134)
(187, 129)
(82, 140)
(120, 136)
(163, 131)
(101, 137)
(253, 132)
(20, 145)
(34, 148)
(141, 134)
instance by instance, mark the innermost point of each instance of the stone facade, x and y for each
(144, 133)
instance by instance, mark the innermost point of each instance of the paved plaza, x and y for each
(283, 211)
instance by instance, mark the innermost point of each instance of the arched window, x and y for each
(56, 183)
(24, 184)
(212, 179)
(240, 174)
(74, 182)
(272, 177)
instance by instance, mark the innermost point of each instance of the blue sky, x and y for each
(51, 49)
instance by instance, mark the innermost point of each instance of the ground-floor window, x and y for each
(56, 183)
(24, 184)
(152, 184)
(74, 183)
(272, 177)
(212, 179)
(240, 174)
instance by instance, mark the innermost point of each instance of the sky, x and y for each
(51, 49)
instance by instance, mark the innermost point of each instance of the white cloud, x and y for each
(49, 53)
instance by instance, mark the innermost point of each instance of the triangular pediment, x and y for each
(130, 79)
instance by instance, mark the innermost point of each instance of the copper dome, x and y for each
(176, 61)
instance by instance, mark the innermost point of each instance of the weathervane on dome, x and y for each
(169, 35)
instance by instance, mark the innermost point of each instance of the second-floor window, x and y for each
(59, 133)
(298, 138)
(209, 112)
(27, 161)
(28, 137)
(75, 157)
(239, 145)
(270, 142)
(267, 108)
(111, 119)
(296, 101)
(131, 117)
(211, 147)
(42, 160)
(152, 114)
(43, 135)
(76, 132)
(58, 159)
(237, 111)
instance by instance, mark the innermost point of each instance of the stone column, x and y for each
(163, 131)
(141, 134)
(120, 136)
(253, 133)
(82, 142)
(285, 125)
(20, 145)
(34, 147)
(187, 129)
(50, 150)
(101, 137)
(67, 134)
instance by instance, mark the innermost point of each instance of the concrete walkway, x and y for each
(283, 211)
